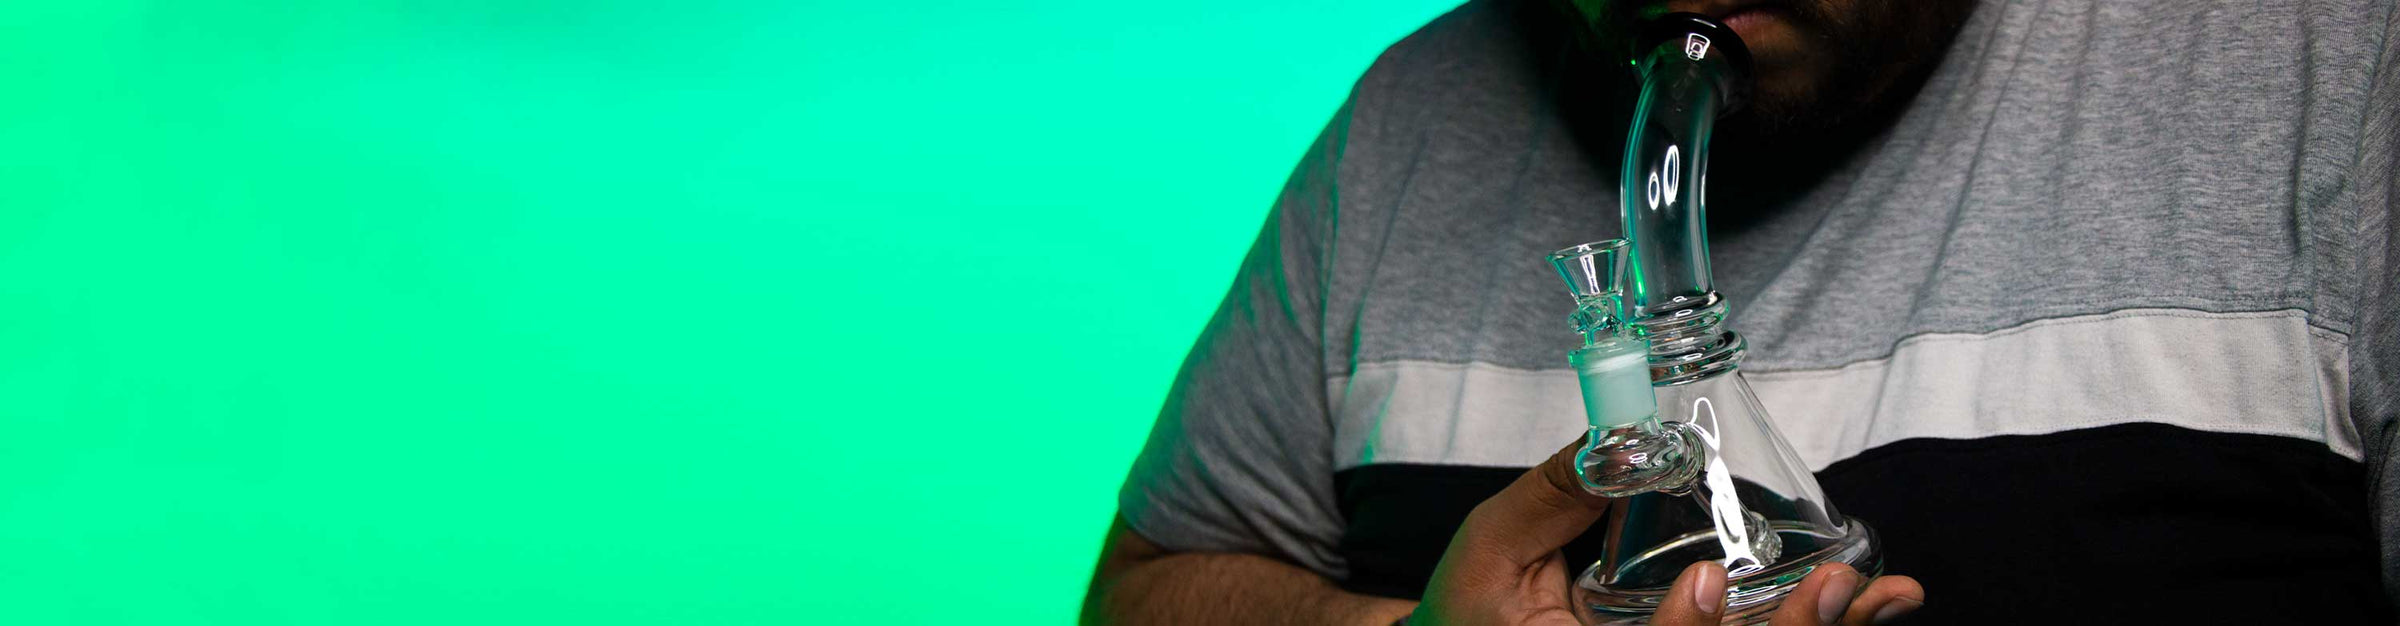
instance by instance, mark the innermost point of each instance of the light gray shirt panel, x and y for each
(1240, 457)
(2375, 346)
(2067, 158)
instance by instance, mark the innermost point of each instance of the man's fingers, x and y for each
(1835, 594)
(1886, 600)
(1821, 597)
(1696, 599)
(1829, 596)
(1537, 514)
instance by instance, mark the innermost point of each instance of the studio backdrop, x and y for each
(611, 311)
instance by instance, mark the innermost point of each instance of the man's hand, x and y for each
(1503, 567)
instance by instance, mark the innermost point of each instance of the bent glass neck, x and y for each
(1693, 70)
(1664, 183)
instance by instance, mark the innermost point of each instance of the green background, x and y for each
(609, 312)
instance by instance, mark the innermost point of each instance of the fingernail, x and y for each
(1899, 608)
(1709, 592)
(1834, 597)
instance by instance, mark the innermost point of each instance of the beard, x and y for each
(1845, 63)
(1836, 76)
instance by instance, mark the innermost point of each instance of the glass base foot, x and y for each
(1750, 598)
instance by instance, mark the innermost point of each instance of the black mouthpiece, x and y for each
(1695, 38)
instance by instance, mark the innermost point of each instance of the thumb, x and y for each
(1533, 517)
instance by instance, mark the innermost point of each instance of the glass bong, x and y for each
(1714, 480)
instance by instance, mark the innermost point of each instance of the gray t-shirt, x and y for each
(2115, 290)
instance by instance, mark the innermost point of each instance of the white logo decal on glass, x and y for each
(1651, 187)
(1725, 508)
(1695, 46)
(1672, 169)
(1674, 172)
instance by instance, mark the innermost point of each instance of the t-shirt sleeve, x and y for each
(2375, 348)
(1241, 457)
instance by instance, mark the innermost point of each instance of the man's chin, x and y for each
(1777, 107)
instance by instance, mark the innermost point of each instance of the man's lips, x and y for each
(1748, 21)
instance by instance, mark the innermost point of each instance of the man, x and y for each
(2087, 306)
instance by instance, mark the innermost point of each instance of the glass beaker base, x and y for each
(1750, 598)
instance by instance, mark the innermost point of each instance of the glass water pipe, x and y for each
(1699, 471)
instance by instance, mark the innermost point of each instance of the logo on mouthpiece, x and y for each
(1695, 46)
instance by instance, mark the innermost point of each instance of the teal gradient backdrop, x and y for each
(614, 312)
